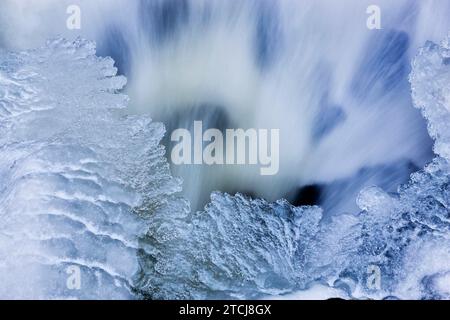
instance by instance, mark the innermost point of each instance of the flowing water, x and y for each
(338, 91)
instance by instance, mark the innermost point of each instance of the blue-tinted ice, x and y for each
(84, 185)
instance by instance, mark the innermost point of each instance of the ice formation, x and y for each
(406, 234)
(236, 248)
(73, 170)
(417, 224)
(83, 185)
(243, 248)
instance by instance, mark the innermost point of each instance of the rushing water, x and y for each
(338, 92)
